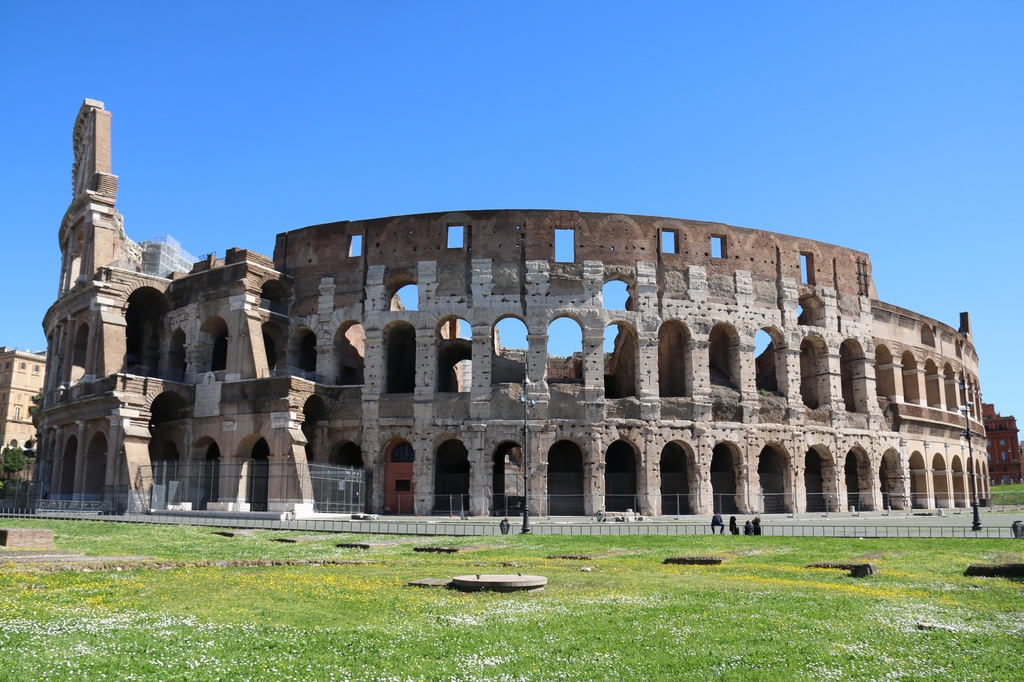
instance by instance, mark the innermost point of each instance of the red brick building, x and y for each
(1005, 463)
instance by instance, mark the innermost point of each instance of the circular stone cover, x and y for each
(498, 583)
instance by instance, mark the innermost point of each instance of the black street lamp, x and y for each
(976, 526)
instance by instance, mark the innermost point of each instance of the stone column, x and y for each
(593, 375)
(57, 450)
(647, 376)
(480, 391)
(80, 462)
(789, 383)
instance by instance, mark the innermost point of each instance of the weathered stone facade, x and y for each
(310, 356)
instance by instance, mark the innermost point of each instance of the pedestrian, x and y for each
(716, 522)
(733, 527)
(748, 528)
(757, 525)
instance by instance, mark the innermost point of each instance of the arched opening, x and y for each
(885, 374)
(911, 382)
(144, 325)
(927, 335)
(855, 470)
(814, 376)
(565, 351)
(176, 357)
(620, 477)
(315, 422)
(454, 356)
(406, 298)
(890, 482)
(674, 347)
(212, 353)
(620, 351)
(350, 345)
(949, 382)
(79, 352)
(95, 468)
(853, 378)
(959, 485)
(615, 295)
(723, 479)
(274, 296)
(723, 357)
(811, 311)
(400, 350)
(209, 472)
(939, 483)
(302, 353)
(508, 359)
(817, 483)
(918, 482)
(507, 480)
(565, 479)
(398, 479)
(933, 391)
(274, 347)
(675, 480)
(772, 467)
(346, 454)
(451, 479)
(259, 476)
(167, 407)
(66, 488)
(768, 365)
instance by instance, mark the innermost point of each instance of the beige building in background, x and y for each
(21, 378)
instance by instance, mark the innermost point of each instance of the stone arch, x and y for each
(207, 451)
(66, 483)
(885, 373)
(274, 346)
(614, 289)
(302, 352)
(212, 346)
(95, 467)
(315, 422)
(507, 479)
(451, 478)
(400, 351)
(144, 331)
(678, 468)
(620, 363)
(508, 355)
(258, 493)
(940, 484)
(724, 357)
(857, 474)
(675, 379)
(565, 369)
(853, 376)
(454, 355)
(726, 463)
(890, 481)
(770, 364)
(918, 482)
(399, 484)
(565, 479)
(911, 380)
(350, 347)
(933, 390)
(620, 476)
(811, 311)
(80, 352)
(405, 294)
(176, 357)
(775, 475)
(959, 483)
(950, 385)
(814, 374)
(274, 296)
(346, 454)
(819, 480)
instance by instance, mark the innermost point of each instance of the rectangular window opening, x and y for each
(807, 268)
(403, 485)
(565, 246)
(456, 236)
(668, 241)
(355, 246)
(717, 247)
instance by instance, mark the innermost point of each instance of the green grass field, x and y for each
(759, 616)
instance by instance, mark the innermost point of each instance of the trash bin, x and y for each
(505, 526)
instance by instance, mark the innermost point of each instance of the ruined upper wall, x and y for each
(512, 237)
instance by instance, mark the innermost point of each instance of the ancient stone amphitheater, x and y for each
(307, 383)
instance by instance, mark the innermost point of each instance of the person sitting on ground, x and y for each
(733, 526)
(748, 528)
(716, 522)
(757, 525)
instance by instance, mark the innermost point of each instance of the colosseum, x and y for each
(409, 365)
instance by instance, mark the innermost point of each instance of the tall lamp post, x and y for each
(976, 526)
(526, 449)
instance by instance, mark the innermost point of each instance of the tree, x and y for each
(14, 460)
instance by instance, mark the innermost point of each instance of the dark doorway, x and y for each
(565, 479)
(451, 479)
(620, 477)
(259, 476)
(675, 482)
(723, 480)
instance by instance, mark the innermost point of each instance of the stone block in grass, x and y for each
(695, 560)
(429, 582)
(26, 538)
(436, 550)
(995, 570)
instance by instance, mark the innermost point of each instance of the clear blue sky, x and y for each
(895, 128)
